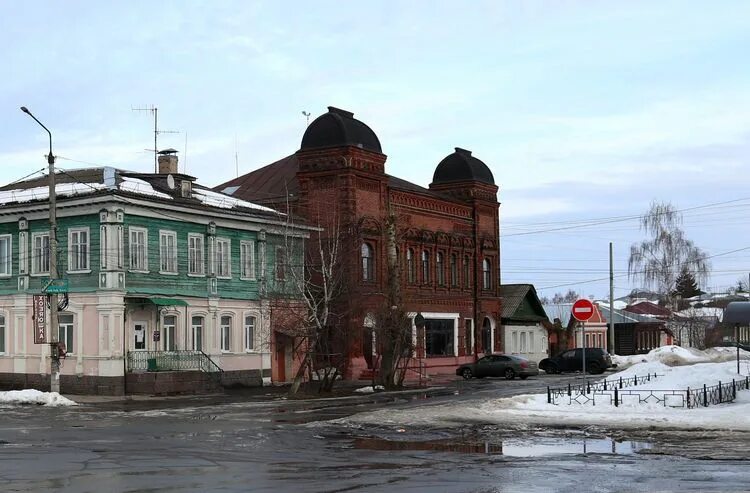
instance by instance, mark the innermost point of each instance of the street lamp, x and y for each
(53, 307)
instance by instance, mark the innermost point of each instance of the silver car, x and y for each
(499, 365)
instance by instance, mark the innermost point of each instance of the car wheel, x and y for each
(552, 369)
(467, 374)
(524, 377)
(595, 369)
(509, 374)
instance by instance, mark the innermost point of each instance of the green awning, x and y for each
(157, 301)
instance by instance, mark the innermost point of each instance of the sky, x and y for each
(582, 110)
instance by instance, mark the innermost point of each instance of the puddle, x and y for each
(527, 447)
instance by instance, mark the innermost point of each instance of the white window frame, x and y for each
(228, 329)
(247, 260)
(69, 329)
(171, 256)
(223, 246)
(138, 268)
(249, 348)
(36, 260)
(8, 267)
(193, 327)
(72, 253)
(193, 251)
(166, 338)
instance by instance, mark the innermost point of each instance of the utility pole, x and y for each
(611, 338)
(53, 274)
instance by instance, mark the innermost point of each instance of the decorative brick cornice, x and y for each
(423, 203)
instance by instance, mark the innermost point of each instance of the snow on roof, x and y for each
(42, 193)
(705, 312)
(215, 199)
(141, 187)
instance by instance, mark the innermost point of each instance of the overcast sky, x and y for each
(582, 110)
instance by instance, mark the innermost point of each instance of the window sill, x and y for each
(168, 273)
(224, 277)
(248, 279)
(6, 276)
(138, 271)
(87, 271)
(191, 274)
(39, 274)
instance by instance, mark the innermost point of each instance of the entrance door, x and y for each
(281, 357)
(140, 336)
(486, 336)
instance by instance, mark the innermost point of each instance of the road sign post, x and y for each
(582, 311)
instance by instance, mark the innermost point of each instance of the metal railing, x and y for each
(171, 361)
(554, 393)
(688, 398)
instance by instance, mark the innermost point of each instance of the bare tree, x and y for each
(657, 262)
(690, 328)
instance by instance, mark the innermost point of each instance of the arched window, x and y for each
(425, 266)
(368, 263)
(486, 274)
(467, 272)
(411, 271)
(249, 333)
(440, 269)
(454, 270)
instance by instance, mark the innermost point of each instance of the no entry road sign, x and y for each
(582, 310)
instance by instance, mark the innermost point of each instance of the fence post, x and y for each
(588, 387)
(734, 389)
(648, 377)
(635, 380)
(569, 394)
(720, 401)
(620, 382)
(605, 385)
(549, 396)
(616, 403)
(687, 397)
(705, 396)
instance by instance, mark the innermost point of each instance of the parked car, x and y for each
(597, 360)
(499, 365)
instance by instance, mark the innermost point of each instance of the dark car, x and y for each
(499, 365)
(597, 360)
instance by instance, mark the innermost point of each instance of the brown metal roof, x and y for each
(267, 184)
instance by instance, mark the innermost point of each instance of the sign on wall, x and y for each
(39, 317)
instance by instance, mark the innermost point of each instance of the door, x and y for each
(281, 358)
(483, 366)
(567, 360)
(140, 336)
(501, 364)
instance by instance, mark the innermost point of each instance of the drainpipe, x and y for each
(124, 352)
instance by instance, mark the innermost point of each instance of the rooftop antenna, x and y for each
(307, 116)
(155, 111)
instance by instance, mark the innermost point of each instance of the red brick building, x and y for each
(447, 236)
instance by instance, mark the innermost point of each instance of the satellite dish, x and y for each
(170, 181)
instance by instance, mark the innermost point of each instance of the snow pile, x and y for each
(534, 409)
(370, 389)
(31, 396)
(679, 356)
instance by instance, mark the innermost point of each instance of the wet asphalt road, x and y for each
(256, 444)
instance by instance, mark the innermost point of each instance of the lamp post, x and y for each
(53, 274)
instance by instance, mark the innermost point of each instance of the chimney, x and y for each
(167, 161)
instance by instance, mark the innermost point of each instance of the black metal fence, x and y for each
(171, 361)
(688, 398)
(554, 393)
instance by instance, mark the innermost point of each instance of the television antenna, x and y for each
(155, 111)
(307, 116)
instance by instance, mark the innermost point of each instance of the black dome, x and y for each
(462, 166)
(339, 128)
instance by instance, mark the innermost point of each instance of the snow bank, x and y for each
(370, 389)
(30, 396)
(679, 356)
(534, 409)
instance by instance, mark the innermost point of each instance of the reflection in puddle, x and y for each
(530, 447)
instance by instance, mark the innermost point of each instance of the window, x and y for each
(168, 325)
(467, 272)
(168, 252)
(78, 251)
(368, 263)
(223, 265)
(120, 253)
(469, 336)
(523, 342)
(138, 249)
(2, 334)
(411, 271)
(247, 260)
(249, 333)
(532, 348)
(439, 335)
(196, 262)
(486, 274)
(440, 269)
(514, 342)
(226, 333)
(40, 253)
(65, 333)
(197, 334)
(425, 266)
(454, 270)
(5, 255)
(280, 264)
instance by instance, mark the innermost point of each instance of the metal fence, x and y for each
(688, 398)
(171, 361)
(555, 393)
